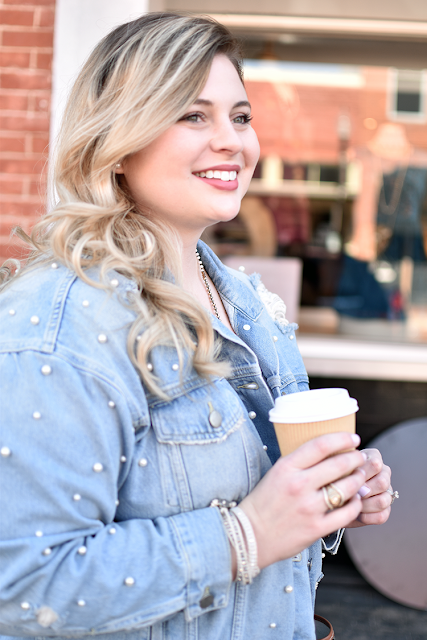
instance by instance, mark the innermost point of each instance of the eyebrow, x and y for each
(209, 103)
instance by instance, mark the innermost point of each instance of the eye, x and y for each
(243, 118)
(192, 117)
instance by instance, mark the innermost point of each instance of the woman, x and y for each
(106, 482)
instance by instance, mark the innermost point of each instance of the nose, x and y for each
(226, 139)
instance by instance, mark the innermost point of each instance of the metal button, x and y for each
(129, 582)
(97, 467)
(175, 367)
(323, 555)
(207, 599)
(85, 303)
(25, 606)
(81, 603)
(77, 497)
(46, 370)
(272, 625)
(297, 558)
(149, 365)
(291, 337)
(111, 404)
(37, 415)
(123, 458)
(47, 551)
(275, 338)
(265, 447)
(112, 531)
(246, 327)
(114, 282)
(142, 462)
(5, 452)
(289, 588)
(252, 415)
(310, 564)
(54, 265)
(117, 503)
(215, 419)
(81, 551)
(102, 338)
(39, 534)
(34, 319)
(12, 312)
(249, 385)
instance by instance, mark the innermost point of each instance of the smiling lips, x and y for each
(219, 178)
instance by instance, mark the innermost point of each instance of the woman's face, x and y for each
(196, 173)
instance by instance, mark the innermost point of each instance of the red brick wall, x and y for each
(26, 48)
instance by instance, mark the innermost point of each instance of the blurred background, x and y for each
(335, 219)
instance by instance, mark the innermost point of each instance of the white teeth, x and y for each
(224, 176)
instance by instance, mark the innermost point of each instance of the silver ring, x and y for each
(334, 497)
(394, 494)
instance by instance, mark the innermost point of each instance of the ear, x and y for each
(118, 168)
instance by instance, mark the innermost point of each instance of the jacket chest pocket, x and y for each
(201, 446)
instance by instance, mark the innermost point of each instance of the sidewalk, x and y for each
(359, 612)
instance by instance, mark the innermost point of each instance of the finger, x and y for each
(340, 518)
(336, 467)
(316, 450)
(374, 463)
(378, 484)
(376, 503)
(347, 487)
(379, 517)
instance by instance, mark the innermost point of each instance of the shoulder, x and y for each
(275, 306)
(49, 309)
(51, 318)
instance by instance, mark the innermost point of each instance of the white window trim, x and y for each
(401, 116)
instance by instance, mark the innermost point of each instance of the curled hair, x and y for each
(138, 81)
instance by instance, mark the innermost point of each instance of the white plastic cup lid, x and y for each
(313, 406)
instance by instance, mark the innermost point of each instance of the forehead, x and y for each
(223, 81)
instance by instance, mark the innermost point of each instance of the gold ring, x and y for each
(334, 497)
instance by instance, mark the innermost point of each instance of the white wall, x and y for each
(79, 25)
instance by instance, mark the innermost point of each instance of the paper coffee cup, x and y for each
(299, 417)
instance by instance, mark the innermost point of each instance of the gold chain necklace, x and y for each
(208, 289)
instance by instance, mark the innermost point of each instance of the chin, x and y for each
(224, 215)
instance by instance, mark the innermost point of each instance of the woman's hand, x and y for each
(376, 502)
(287, 508)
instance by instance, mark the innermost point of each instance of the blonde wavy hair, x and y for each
(138, 81)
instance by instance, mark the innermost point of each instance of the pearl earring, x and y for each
(118, 165)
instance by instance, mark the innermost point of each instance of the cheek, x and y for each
(252, 149)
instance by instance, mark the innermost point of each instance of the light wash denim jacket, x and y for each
(105, 524)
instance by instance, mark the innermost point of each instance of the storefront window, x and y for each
(341, 185)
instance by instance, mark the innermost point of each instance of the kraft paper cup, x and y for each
(300, 417)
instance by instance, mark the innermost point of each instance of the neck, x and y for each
(191, 278)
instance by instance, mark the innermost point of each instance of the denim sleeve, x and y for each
(332, 542)
(66, 568)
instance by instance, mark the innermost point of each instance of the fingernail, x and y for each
(365, 457)
(363, 491)
(362, 470)
(355, 438)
